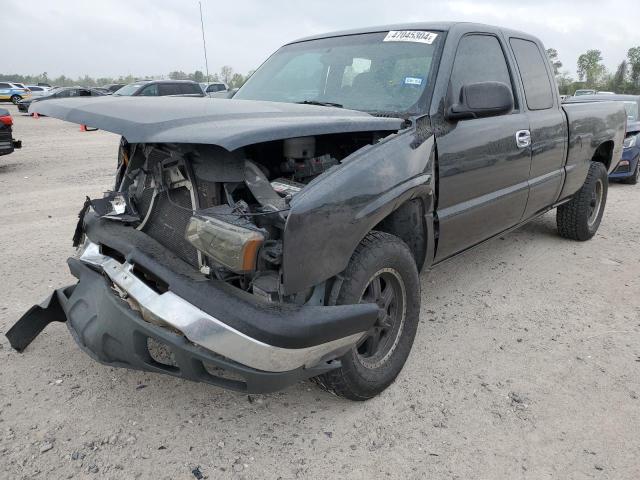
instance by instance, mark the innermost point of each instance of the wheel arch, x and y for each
(409, 223)
(604, 154)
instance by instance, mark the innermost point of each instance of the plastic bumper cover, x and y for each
(106, 326)
(109, 331)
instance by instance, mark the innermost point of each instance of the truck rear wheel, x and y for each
(580, 218)
(383, 271)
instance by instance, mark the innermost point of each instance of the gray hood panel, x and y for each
(230, 124)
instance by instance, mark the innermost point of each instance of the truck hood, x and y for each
(228, 123)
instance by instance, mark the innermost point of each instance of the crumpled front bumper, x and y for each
(115, 315)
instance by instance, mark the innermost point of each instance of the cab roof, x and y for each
(436, 26)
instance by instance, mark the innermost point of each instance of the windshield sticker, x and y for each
(419, 36)
(412, 81)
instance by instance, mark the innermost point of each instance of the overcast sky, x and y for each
(154, 37)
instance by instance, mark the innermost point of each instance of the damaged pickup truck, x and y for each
(276, 236)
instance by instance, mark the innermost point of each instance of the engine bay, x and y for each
(223, 212)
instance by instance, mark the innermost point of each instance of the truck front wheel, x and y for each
(580, 218)
(382, 271)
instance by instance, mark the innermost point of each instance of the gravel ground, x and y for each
(525, 365)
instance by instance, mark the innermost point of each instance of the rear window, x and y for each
(537, 87)
(36, 89)
(5, 85)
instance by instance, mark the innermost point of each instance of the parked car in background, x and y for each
(113, 87)
(20, 85)
(44, 84)
(628, 168)
(278, 235)
(7, 143)
(214, 87)
(161, 88)
(38, 91)
(12, 92)
(62, 92)
(584, 91)
(224, 93)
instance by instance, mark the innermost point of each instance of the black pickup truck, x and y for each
(257, 241)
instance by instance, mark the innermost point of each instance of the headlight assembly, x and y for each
(230, 245)
(630, 141)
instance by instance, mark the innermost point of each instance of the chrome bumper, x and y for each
(204, 330)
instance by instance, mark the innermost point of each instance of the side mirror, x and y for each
(482, 99)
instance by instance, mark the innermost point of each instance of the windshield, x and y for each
(632, 111)
(374, 72)
(128, 89)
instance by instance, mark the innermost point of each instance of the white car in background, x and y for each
(37, 91)
(213, 87)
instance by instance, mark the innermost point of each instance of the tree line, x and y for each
(226, 75)
(594, 75)
(591, 74)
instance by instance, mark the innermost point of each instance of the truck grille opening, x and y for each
(168, 220)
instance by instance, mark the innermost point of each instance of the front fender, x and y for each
(332, 215)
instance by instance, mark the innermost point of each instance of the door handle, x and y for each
(523, 138)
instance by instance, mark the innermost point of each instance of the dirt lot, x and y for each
(526, 364)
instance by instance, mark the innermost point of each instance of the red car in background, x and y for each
(7, 143)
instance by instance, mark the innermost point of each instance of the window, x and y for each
(128, 90)
(168, 89)
(36, 89)
(150, 91)
(304, 73)
(215, 87)
(358, 66)
(479, 59)
(361, 72)
(64, 93)
(632, 111)
(537, 87)
(189, 88)
(5, 85)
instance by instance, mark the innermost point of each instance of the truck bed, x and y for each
(591, 126)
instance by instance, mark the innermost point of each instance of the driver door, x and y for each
(483, 171)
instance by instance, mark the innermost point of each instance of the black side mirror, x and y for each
(482, 99)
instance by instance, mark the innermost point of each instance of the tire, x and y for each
(15, 99)
(381, 268)
(635, 178)
(580, 218)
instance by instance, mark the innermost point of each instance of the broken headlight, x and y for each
(230, 245)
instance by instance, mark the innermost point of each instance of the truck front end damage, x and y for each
(180, 267)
